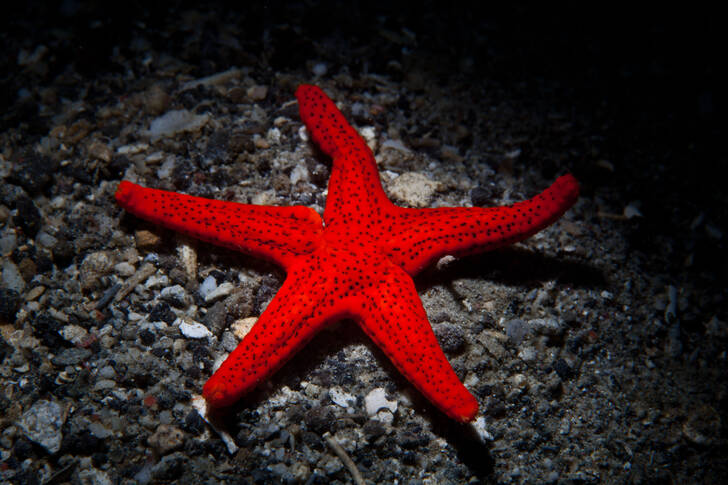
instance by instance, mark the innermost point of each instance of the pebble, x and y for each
(74, 334)
(217, 79)
(563, 369)
(46, 240)
(28, 216)
(9, 304)
(27, 269)
(99, 430)
(240, 328)
(229, 342)
(219, 292)
(93, 267)
(188, 257)
(451, 337)
(132, 149)
(319, 69)
(124, 269)
(36, 292)
(175, 296)
(94, 476)
(257, 92)
(528, 354)
(491, 344)
(72, 356)
(341, 398)
(396, 145)
(413, 189)
(385, 416)
(145, 239)
(207, 286)
(11, 277)
(166, 438)
(42, 424)
(100, 151)
(330, 464)
(298, 174)
(516, 330)
(482, 196)
(193, 329)
(376, 400)
(176, 121)
(104, 385)
(547, 326)
(155, 100)
(8, 242)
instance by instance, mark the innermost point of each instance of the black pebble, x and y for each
(147, 337)
(28, 217)
(9, 304)
(34, 173)
(563, 369)
(162, 313)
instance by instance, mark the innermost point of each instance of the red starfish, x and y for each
(357, 265)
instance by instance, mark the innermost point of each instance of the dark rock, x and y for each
(563, 369)
(481, 196)
(35, 172)
(9, 304)
(451, 337)
(182, 175)
(312, 440)
(117, 167)
(162, 313)
(82, 443)
(170, 468)
(46, 328)
(28, 216)
(23, 449)
(412, 439)
(269, 286)
(373, 429)
(319, 419)
(495, 408)
(193, 423)
(63, 251)
(5, 349)
(147, 337)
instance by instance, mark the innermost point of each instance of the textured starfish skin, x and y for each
(359, 265)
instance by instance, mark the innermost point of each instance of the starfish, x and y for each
(357, 263)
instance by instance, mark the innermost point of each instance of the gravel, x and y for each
(597, 349)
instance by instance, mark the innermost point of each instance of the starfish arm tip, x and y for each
(301, 89)
(215, 394)
(124, 192)
(468, 411)
(569, 187)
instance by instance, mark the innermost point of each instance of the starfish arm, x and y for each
(421, 236)
(354, 175)
(292, 318)
(393, 317)
(279, 234)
